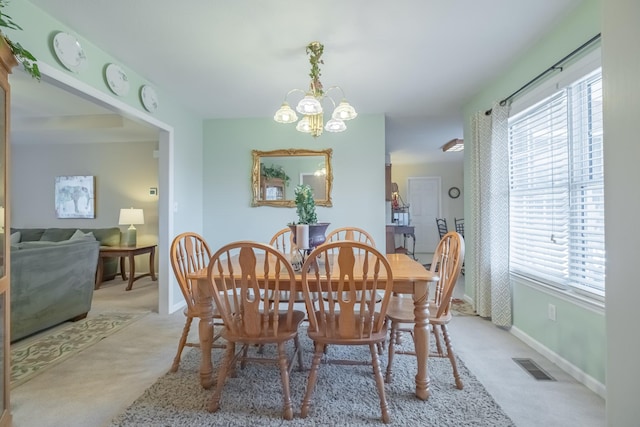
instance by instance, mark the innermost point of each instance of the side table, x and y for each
(129, 252)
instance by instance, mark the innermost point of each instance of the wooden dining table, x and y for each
(409, 277)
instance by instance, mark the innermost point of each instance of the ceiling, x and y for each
(415, 61)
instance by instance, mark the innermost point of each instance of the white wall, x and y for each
(621, 90)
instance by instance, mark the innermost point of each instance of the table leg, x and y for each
(99, 273)
(152, 263)
(132, 270)
(204, 304)
(421, 338)
(122, 273)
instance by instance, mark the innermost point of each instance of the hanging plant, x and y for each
(28, 61)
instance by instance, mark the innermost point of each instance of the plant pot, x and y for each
(316, 234)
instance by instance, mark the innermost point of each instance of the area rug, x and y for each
(344, 396)
(32, 356)
(460, 307)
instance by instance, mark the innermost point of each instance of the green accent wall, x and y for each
(578, 335)
(358, 162)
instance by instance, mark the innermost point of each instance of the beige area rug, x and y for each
(32, 356)
(460, 307)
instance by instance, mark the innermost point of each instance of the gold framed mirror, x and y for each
(275, 174)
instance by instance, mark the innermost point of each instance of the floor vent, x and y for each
(532, 367)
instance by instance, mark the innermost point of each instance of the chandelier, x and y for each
(310, 106)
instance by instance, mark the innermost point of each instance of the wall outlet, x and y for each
(551, 312)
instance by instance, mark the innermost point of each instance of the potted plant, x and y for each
(306, 210)
(29, 62)
(273, 171)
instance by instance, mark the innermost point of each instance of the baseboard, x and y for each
(580, 376)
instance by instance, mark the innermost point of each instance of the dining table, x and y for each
(409, 277)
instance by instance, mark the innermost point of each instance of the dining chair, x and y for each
(447, 259)
(350, 233)
(342, 270)
(283, 242)
(240, 274)
(189, 253)
(441, 223)
(459, 223)
(358, 235)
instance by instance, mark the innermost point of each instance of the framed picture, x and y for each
(74, 197)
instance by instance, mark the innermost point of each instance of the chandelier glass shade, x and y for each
(310, 106)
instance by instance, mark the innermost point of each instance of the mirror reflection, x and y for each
(275, 175)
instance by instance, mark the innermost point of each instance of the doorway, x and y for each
(424, 194)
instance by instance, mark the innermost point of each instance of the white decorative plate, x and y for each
(68, 50)
(117, 79)
(149, 98)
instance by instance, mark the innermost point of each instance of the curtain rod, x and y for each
(554, 67)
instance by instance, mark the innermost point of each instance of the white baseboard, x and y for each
(580, 376)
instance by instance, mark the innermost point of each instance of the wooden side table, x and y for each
(129, 252)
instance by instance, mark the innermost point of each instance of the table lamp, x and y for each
(130, 216)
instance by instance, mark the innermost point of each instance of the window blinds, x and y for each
(557, 188)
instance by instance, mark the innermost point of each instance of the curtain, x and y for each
(489, 163)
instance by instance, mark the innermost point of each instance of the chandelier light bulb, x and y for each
(303, 125)
(344, 111)
(335, 125)
(285, 114)
(309, 105)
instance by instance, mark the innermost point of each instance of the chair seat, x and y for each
(401, 310)
(267, 335)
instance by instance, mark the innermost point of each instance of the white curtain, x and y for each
(489, 162)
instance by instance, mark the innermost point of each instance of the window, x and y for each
(557, 189)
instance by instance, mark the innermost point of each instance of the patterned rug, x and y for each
(344, 395)
(460, 307)
(32, 356)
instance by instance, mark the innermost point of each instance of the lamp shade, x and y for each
(131, 216)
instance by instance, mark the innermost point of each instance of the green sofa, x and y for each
(106, 236)
(51, 282)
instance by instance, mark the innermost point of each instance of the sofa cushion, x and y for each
(106, 236)
(15, 238)
(30, 234)
(57, 234)
(79, 235)
(43, 244)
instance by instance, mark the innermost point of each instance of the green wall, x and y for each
(577, 339)
(358, 177)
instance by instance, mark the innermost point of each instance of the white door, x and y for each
(424, 208)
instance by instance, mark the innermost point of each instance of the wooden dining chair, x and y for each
(447, 259)
(350, 233)
(240, 275)
(189, 253)
(342, 270)
(358, 235)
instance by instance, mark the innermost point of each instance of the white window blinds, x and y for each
(557, 188)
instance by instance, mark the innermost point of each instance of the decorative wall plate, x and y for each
(69, 51)
(149, 98)
(117, 79)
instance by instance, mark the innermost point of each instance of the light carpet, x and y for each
(344, 396)
(32, 356)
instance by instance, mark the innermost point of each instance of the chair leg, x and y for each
(287, 410)
(392, 342)
(311, 381)
(181, 344)
(384, 407)
(214, 404)
(452, 357)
